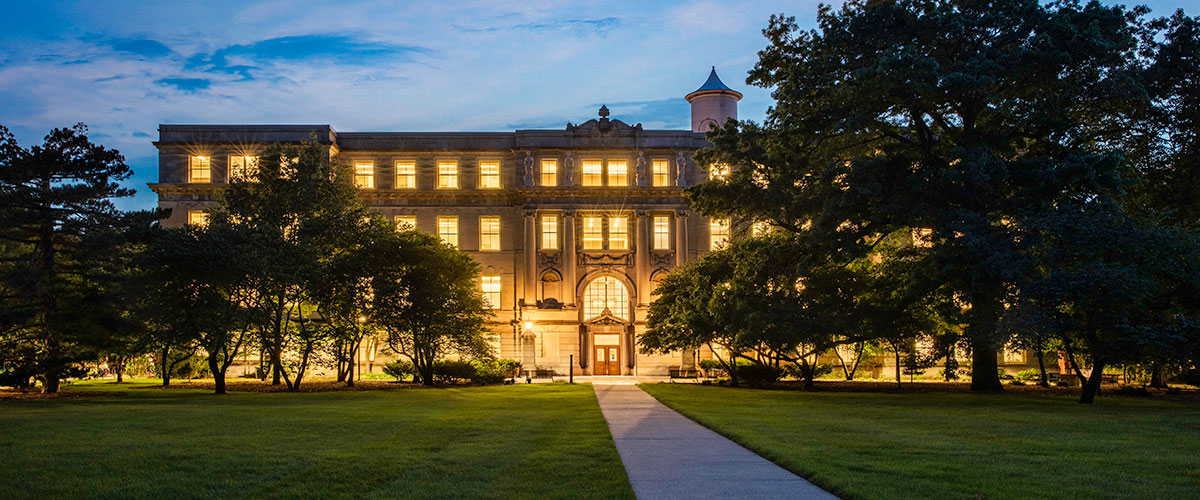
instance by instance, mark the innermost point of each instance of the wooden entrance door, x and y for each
(608, 360)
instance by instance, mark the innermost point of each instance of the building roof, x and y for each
(713, 85)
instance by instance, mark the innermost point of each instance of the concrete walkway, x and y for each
(668, 456)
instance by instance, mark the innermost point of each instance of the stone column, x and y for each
(530, 257)
(642, 257)
(681, 246)
(568, 253)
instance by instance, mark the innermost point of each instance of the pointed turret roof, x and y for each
(713, 85)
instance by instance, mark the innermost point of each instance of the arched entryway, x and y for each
(606, 319)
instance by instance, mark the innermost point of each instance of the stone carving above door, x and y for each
(606, 259)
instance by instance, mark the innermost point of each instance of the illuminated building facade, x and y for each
(572, 227)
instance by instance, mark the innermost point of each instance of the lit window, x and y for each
(447, 175)
(406, 175)
(603, 293)
(718, 233)
(549, 232)
(549, 172)
(922, 237)
(618, 173)
(593, 233)
(659, 175)
(718, 171)
(618, 233)
(759, 228)
(364, 174)
(242, 167)
(200, 169)
(448, 229)
(592, 173)
(489, 233)
(489, 175)
(662, 232)
(491, 291)
(197, 217)
(406, 222)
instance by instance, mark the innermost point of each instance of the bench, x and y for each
(683, 373)
(540, 374)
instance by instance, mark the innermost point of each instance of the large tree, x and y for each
(304, 204)
(63, 242)
(427, 299)
(203, 292)
(958, 117)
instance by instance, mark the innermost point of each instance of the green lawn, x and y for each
(969, 446)
(539, 441)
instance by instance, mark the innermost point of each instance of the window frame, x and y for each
(494, 176)
(409, 173)
(411, 220)
(656, 234)
(484, 221)
(447, 174)
(611, 238)
(194, 166)
(488, 281)
(442, 220)
(596, 238)
(597, 176)
(654, 173)
(369, 175)
(197, 217)
(616, 180)
(249, 163)
(551, 175)
(713, 224)
(549, 227)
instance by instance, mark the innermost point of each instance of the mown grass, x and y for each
(539, 441)
(959, 446)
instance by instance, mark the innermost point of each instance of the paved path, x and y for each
(668, 456)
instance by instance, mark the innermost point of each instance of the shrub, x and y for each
(1028, 375)
(399, 369)
(494, 371)
(1003, 374)
(1016, 382)
(712, 368)
(757, 374)
(1130, 390)
(451, 370)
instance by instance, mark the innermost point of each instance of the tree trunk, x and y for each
(1092, 386)
(1045, 381)
(985, 368)
(896, 349)
(350, 364)
(1157, 380)
(166, 368)
(217, 373)
(50, 385)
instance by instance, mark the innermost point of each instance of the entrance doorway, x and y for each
(608, 360)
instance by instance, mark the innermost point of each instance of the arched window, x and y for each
(602, 292)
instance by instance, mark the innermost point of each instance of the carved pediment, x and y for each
(606, 259)
(603, 126)
(662, 259)
(606, 322)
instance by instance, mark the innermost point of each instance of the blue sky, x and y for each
(123, 67)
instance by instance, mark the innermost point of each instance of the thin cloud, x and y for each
(186, 84)
(247, 60)
(594, 25)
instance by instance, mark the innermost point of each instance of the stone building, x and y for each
(571, 226)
